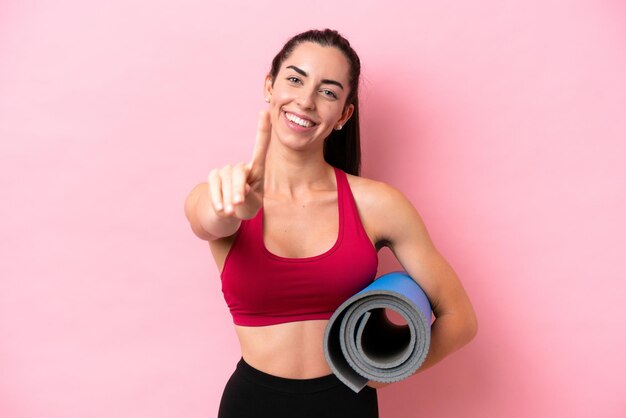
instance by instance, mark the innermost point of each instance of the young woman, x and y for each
(296, 231)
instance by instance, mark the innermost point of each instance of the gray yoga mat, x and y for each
(362, 344)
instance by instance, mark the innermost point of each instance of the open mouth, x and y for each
(305, 123)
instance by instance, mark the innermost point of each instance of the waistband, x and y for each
(284, 384)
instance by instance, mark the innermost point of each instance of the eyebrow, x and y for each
(304, 74)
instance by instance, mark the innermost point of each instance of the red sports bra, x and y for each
(262, 288)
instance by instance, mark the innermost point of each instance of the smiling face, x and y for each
(308, 95)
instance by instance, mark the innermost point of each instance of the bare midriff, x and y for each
(292, 350)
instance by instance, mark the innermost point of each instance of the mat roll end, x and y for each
(362, 344)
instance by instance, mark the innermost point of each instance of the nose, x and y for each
(306, 99)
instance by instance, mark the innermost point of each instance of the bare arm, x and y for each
(203, 218)
(406, 235)
(215, 208)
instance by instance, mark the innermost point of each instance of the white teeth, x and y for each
(298, 121)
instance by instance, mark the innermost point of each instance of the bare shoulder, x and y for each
(383, 208)
(375, 194)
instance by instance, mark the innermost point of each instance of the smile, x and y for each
(305, 123)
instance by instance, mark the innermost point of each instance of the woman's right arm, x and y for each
(216, 208)
(204, 220)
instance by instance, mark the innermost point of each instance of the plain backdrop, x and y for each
(504, 122)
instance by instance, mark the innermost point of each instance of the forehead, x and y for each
(319, 61)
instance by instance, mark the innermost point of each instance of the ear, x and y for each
(268, 86)
(346, 114)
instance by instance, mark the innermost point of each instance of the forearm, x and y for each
(205, 222)
(448, 333)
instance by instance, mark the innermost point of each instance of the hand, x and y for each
(237, 191)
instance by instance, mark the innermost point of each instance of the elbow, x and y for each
(192, 203)
(471, 326)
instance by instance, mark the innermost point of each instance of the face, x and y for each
(308, 95)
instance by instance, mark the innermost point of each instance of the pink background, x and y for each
(503, 122)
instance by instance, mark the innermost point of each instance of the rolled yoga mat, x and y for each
(362, 344)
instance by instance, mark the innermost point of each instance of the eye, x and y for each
(329, 93)
(293, 79)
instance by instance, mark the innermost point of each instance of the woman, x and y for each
(295, 233)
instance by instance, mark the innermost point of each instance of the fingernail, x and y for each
(237, 198)
(218, 206)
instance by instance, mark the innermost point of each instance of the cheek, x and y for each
(278, 100)
(332, 112)
(282, 92)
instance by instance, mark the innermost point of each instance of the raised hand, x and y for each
(236, 191)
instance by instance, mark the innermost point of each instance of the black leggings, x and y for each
(253, 393)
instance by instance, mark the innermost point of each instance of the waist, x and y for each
(282, 384)
(290, 350)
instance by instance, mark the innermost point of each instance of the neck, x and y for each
(291, 174)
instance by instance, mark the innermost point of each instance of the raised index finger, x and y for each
(263, 134)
